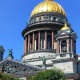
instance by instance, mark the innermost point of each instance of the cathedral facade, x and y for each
(49, 34)
(49, 41)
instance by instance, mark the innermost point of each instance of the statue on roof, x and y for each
(10, 52)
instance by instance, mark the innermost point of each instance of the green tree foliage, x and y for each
(52, 74)
(29, 78)
(6, 77)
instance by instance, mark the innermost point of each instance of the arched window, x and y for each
(64, 46)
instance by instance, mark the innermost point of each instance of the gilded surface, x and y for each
(48, 6)
(65, 27)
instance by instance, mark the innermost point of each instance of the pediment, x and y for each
(16, 68)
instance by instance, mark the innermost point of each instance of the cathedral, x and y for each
(49, 41)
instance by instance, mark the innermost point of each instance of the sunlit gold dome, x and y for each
(65, 27)
(48, 6)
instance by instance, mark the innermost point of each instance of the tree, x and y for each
(53, 74)
(6, 77)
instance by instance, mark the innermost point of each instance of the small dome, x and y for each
(48, 6)
(65, 27)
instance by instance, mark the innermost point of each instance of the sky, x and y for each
(14, 15)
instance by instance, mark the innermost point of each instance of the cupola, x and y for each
(65, 27)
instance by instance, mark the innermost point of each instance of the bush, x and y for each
(7, 77)
(52, 74)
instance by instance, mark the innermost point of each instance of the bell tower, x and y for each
(66, 41)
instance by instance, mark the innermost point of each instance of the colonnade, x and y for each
(34, 41)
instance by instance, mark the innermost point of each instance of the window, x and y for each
(53, 18)
(39, 18)
(74, 47)
(49, 42)
(34, 19)
(42, 43)
(31, 44)
(64, 46)
(45, 18)
(37, 43)
(49, 18)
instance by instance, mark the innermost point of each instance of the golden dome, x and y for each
(65, 27)
(48, 6)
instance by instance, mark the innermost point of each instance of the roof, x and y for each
(17, 68)
(48, 6)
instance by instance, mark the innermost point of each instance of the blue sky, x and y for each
(13, 19)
